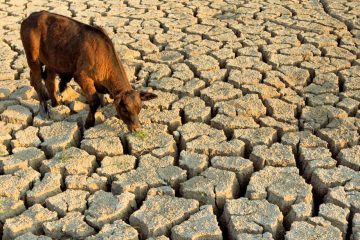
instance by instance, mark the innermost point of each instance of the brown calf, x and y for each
(72, 49)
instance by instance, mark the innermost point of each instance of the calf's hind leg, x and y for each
(30, 38)
(36, 82)
(88, 87)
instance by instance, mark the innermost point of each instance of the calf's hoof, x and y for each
(54, 103)
(89, 123)
(45, 108)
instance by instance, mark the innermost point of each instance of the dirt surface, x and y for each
(254, 135)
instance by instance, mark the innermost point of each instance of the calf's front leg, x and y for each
(88, 87)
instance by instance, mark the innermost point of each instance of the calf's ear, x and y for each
(147, 96)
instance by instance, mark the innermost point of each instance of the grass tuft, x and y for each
(140, 134)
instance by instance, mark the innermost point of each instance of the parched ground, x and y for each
(255, 134)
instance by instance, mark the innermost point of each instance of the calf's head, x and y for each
(128, 106)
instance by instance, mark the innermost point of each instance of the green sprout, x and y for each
(140, 134)
(65, 156)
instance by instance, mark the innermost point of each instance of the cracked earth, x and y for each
(254, 135)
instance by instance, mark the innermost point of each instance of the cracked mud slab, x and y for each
(255, 99)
